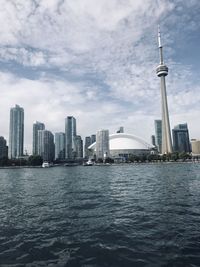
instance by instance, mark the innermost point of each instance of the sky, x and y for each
(96, 61)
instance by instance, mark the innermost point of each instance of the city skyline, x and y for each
(91, 64)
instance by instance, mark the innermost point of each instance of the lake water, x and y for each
(125, 215)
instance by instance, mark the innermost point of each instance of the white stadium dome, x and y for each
(122, 144)
(127, 141)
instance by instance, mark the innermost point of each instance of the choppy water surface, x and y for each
(126, 215)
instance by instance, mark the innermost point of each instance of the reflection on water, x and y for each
(126, 215)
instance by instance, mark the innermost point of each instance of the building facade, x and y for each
(46, 146)
(158, 134)
(102, 144)
(195, 147)
(70, 133)
(78, 147)
(181, 141)
(3, 148)
(16, 132)
(87, 144)
(36, 127)
(60, 146)
(93, 138)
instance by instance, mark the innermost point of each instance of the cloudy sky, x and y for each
(96, 60)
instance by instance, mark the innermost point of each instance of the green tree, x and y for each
(35, 160)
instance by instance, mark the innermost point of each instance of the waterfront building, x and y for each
(195, 147)
(102, 144)
(60, 146)
(93, 138)
(88, 142)
(181, 141)
(162, 72)
(16, 132)
(36, 127)
(78, 147)
(153, 140)
(70, 133)
(122, 146)
(3, 148)
(46, 145)
(158, 134)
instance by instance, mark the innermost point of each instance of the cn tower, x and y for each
(162, 71)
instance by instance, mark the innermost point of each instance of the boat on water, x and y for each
(88, 163)
(45, 165)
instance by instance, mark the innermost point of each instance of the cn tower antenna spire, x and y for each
(159, 37)
(160, 46)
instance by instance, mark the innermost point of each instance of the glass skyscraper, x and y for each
(102, 144)
(16, 132)
(93, 138)
(70, 133)
(87, 144)
(36, 127)
(78, 147)
(46, 145)
(181, 141)
(60, 146)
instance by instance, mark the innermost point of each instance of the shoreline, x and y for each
(112, 164)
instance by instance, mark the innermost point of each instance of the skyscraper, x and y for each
(102, 144)
(181, 141)
(93, 138)
(70, 133)
(158, 134)
(78, 142)
(3, 148)
(46, 145)
(16, 132)
(87, 144)
(36, 127)
(162, 71)
(60, 146)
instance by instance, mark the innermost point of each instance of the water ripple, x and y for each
(126, 215)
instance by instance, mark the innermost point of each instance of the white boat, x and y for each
(88, 163)
(45, 165)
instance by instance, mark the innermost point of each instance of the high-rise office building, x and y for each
(181, 141)
(102, 144)
(46, 146)
(36, 127)
(162, 71)
(3, 148)
(87, 144)
(93, 138)
(158, 134)
(78, 147)
(60, 146)
(70, 133)
(16, 132)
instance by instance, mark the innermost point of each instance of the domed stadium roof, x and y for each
(122, 141)
(127, 141)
